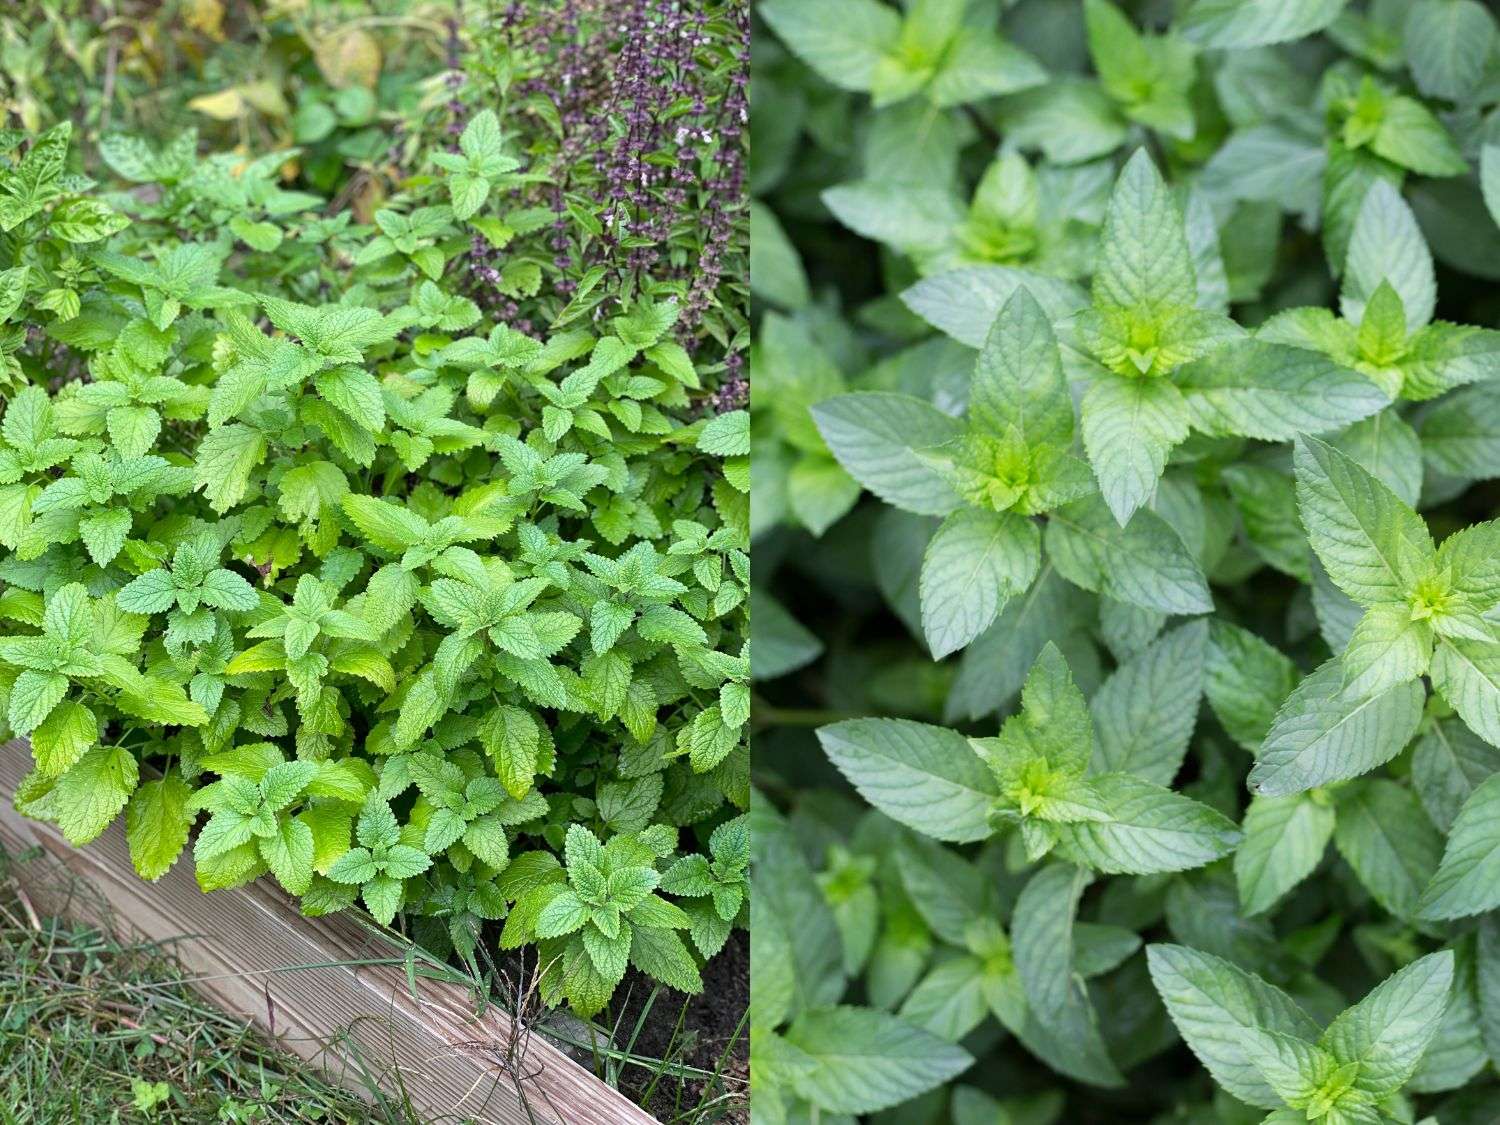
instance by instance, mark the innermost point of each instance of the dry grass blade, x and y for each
(95, 1029)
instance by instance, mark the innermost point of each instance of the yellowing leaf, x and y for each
(349, 58)
(226, 105)
(266, 96)
(205, 17)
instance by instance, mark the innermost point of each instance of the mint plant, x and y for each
(1425, 607)
(1124, 702)
(380, 863)
(600, 912)
(1040, 783)
(717, 883)
(1266, 1051)
(1012, 218)
(327, 556)
(930, 51)
(1010, 462)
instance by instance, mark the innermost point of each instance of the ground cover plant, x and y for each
(374, 477)
(1127, 672)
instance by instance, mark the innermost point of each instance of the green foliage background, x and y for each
(1127, 670)
(367, 520)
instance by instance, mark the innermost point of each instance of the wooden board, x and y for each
(255, 956)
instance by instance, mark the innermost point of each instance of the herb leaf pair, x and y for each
(1038, 776)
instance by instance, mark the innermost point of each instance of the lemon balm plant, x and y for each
(1126, 676)
(312, 568)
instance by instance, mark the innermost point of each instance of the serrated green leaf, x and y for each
(1384, 835)
(1130, 426)
(1374, 547)
(157, 822)
(1386, 245)
(974, 564)
(1465, 881)
(1213, 1003)
(1145, 712)
(1467, 674)
(1018, 379)
(1255, 23)
(874, 436)
(1144, 564)
(869, 1060)
(1274, 392)
(1321, 734)
(1387, 1032)
(923, 776)
(92, 793)
(1246, 680)
(1146, 829)
(1144, 258)
(1043, 948)
(1285, 838)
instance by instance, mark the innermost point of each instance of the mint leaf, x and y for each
(1373, 546)
(1130, 426)
(1464, 883)
(157, 823)
(1388, 1031)
(1448, 43)
(975, 563)
(868, 1060)
(844, 43)
(1246, 680)
(1322, 734)
(1043, 936)
(1214, 1004)
(1144, 563)
(782, 645)
(1146, 710)
(92, 793)
(922, 776)
(1448, 763)
(1386, 837)
(1018, 380)
(874, 435)
(1145, 829)
(965, 302)
(1144, 260)
(226, 459)
(1256, 23)
(1467, 674)
(1489, 178)
(1285, 838)
(1387, 246)
(1273, 392)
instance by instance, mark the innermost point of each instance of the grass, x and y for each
(649, 1043)
(97, 1030)
(679, 1094)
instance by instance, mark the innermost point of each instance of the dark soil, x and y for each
(708, 1031)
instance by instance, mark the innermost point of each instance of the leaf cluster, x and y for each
(1127, 683)
(314, 569)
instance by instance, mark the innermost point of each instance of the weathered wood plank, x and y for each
(244, 948)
